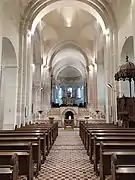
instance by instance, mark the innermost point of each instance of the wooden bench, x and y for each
(52, 128)
(84, 127)
(125, 156)
(25, 161)
(121, 172)
(87, 131)
(21, 147)
(11, 170)
(12, 142)
(105, 133)
(110, 145)
(90, 148)
(110, 139)
(20, 134)
(42, 138)
(114, 140)
(49, 140)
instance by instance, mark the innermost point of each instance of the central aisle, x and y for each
(67, 159)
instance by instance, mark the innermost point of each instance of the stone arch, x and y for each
(127, 50)
(69, 109)
(99, 9)
(63, 67)
(63, 45)
(8, 85)
(36, 9)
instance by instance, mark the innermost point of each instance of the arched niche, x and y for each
(127, 50)
(8, 85)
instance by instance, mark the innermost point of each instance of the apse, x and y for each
(69, 82)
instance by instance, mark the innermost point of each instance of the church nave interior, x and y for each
(67, 89)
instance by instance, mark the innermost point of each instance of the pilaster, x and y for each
(46, 89)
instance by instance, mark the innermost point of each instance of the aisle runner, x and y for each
(67, 160)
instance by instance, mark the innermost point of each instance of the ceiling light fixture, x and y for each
(68, 22)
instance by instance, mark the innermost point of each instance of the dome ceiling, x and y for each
(69, 75)
(69, 24)
(70, 72)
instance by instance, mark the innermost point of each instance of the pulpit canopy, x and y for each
(126, 72)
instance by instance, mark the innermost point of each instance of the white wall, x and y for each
(9, 28)
(10, 81)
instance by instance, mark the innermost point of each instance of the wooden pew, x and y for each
(48, 140)
(25, 161)
(112, 136)
(11, 170)
(90, 148)
(105, 133)
(36, 147)
(85, 127)
(26, 151)
(122, 172)
(125, 156)
(87, 131)
(52, 127)
(110, 145)
(30, 135)
(51, 132)
(42, 138)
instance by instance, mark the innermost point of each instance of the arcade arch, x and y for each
(127, 50)
(34, 14)
(9, 86)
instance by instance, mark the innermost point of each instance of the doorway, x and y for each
(69, 115)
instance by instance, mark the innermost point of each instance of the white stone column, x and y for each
(20, 83)
(38, 88)
(110, 60)
(90, 88)
(1, 101)
(1, 30)
(29, 82)
(46, 89)
(95, 99)
(107, 78)
(22, 73)
(115, 65)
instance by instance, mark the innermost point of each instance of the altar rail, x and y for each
(93, 121)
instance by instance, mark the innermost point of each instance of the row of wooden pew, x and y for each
(23, 150)
(111, 149)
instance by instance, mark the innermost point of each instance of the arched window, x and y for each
(70, 90)
(79, 93)
(60, 93)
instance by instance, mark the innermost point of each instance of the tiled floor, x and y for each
(67, 159)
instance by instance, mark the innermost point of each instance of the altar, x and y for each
(68, 123)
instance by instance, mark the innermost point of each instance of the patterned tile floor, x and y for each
(67, 159)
